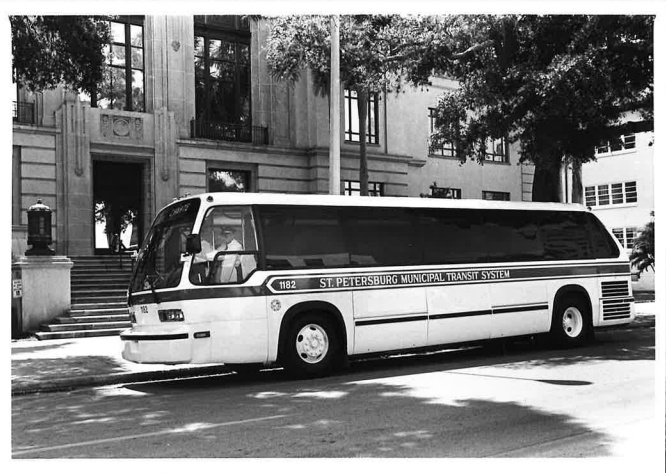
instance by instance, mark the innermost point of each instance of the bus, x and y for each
(307, 282)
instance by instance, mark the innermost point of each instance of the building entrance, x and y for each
(118, 205)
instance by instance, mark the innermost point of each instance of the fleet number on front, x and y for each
(287, 284)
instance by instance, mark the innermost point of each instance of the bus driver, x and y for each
(231, 262)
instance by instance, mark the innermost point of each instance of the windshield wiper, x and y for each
(157, 277)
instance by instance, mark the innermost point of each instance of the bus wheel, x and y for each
(572, 324)
(311, 347)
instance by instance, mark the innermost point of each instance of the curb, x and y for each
(67, 384)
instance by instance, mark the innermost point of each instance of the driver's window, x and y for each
(228, 247)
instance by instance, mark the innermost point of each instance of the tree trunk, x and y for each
(362, 103)
(546, 184)
(577, 183)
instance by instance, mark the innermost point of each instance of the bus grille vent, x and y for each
(618, 309)
(615, 289)
(617, 303)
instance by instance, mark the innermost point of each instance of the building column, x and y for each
(74, 179)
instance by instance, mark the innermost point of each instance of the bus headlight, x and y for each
(171, 315)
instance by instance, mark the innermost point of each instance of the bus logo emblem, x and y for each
(275, 305)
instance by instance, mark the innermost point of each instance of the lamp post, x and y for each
(334, 115)
(39, 230)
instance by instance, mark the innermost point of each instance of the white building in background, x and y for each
(619, 187)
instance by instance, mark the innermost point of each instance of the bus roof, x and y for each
(250, 198)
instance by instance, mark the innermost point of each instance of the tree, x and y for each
(378, 53)
(559, 85)
(49, 51)
(642, 253)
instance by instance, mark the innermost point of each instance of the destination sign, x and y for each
(361, 281)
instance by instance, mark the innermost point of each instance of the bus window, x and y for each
(565, 236)
(303, 237)
(228, 247)
(452, 236)
(381, 236)
(603, 245)
(512, 236)
(159, 264)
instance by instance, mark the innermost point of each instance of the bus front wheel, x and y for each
(311, 347)
(572, 322)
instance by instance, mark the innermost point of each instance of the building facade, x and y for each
(188, 106)
(619, 188)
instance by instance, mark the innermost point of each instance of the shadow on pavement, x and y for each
(62, 368)
(374, 409)
(331, 418)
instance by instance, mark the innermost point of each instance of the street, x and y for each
(529, 401)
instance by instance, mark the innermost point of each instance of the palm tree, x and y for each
(642, 253)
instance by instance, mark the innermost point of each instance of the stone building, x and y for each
(201, 113)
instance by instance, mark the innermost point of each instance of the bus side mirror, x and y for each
(193, 244)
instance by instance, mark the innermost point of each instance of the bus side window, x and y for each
(381, 236)
(450, 236)
(565, 237)
(300, 237)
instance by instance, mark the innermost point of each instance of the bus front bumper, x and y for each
(164, 348)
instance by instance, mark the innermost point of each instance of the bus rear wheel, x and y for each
(311, 346)
(572, 322)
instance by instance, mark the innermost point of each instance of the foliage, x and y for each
(49, 51)
(560, 85)
(642, 253)
(378, 53)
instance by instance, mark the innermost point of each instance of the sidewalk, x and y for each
(54, 365)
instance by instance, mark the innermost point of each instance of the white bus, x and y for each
(307, 281)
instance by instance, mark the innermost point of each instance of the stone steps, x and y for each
(98, 299)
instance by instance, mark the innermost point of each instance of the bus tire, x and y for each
(572, 322)
(311, 347)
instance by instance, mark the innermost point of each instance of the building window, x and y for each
(222, 69)
(225, 180)
(602, 194)
(447, 149)
(122, 86)
(494, 195)
(352, 130)
(445, 193)
(375, 189)
(495, 151)
(611, 194)
(625, 236)
(619, 144)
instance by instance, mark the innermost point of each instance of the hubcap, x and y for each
(312, 343)
(572, 322)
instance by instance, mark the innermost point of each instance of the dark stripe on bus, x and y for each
(518, 274)
(391, 320)
(461, 314)
(530, 308)
(169, 336)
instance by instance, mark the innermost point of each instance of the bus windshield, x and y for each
(159, 263)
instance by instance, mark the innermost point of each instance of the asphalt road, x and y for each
(595, 401)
